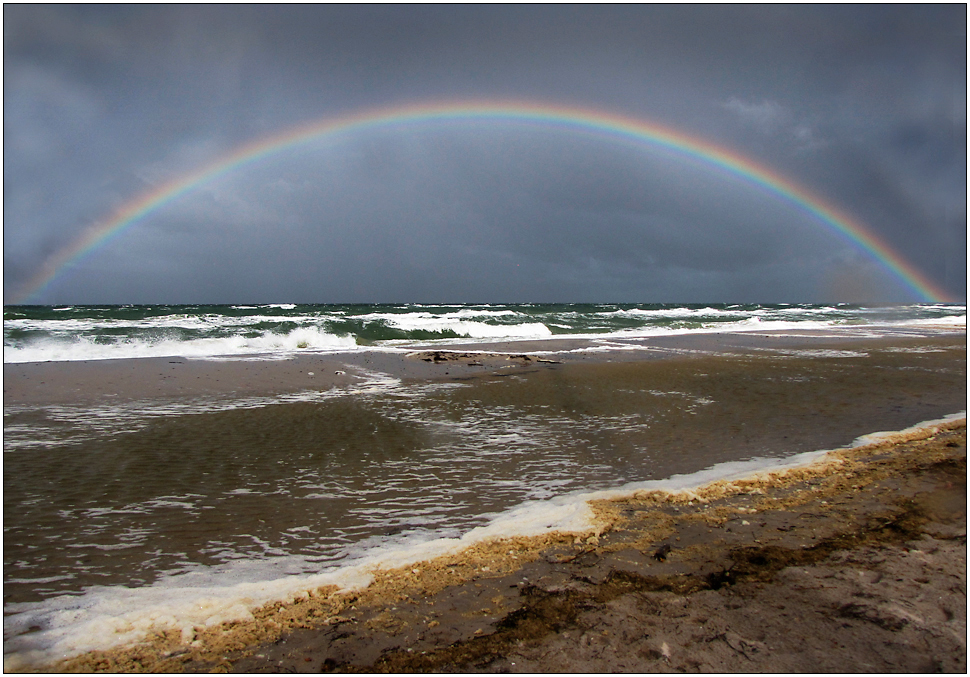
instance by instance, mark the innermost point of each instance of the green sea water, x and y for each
(43, 333)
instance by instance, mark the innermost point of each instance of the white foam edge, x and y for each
(109, 617)
(920, 428)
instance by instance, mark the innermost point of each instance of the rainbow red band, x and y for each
(577, 119)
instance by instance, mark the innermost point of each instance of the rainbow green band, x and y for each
(562, 117)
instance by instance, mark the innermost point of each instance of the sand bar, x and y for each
(43, 383)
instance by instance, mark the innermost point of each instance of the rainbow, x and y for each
(581, 120)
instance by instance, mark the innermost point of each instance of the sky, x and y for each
(863, 106)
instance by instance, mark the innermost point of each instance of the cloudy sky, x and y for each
(864, 106)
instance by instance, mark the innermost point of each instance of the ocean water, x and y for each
(126, 517)
(43, 333)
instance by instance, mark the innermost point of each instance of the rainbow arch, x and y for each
(589, 121)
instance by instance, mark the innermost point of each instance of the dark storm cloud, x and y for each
(864, 105)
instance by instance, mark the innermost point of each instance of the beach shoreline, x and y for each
(904, 386)
(865, 545)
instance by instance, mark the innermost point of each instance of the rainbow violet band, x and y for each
(606, 125)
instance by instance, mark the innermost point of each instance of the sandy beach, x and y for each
(856, 563)
(853, 561)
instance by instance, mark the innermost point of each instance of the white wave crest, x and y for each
(455, 322)
(948, 321)
(53, 349)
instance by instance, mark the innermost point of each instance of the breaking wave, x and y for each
(46, 333)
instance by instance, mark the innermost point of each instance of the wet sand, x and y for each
(856, 563)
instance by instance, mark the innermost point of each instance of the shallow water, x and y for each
(314, 478)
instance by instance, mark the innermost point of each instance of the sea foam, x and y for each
(88, 347)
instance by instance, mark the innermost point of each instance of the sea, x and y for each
(121, 518)
(46, 333)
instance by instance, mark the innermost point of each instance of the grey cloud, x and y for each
(863, 105)
(771, 118)
(768, 115)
